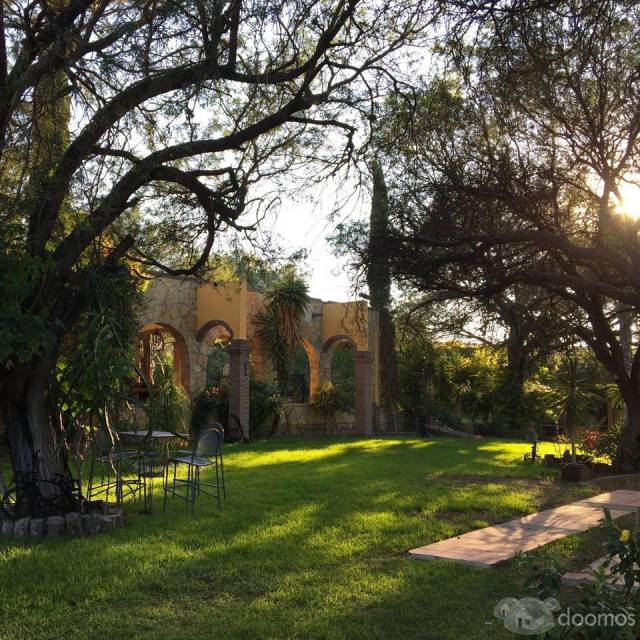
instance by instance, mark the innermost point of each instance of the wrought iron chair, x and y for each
(107, 451)
(151, 466)
(205, 452)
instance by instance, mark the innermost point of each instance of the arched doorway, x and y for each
(343, 371)
(305, 372)
(161, 352)
(227, 378)
(299, 378)
(217, 334)
(362, 377)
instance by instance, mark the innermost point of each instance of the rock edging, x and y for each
(72, 525)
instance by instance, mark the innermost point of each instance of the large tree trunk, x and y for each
(35, 444)
(628, 456)
(625, 317)
(513, 382)
(389, 384)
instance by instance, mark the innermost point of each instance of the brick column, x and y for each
(239, 386)
(364, 407)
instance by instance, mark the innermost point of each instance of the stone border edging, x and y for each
(72, 525)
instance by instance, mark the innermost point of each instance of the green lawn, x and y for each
(310, 544)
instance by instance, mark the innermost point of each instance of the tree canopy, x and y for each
(510, 169)
(138, 132)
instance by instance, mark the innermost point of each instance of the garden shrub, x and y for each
(602, 443)
(265, 407)
(211, 404)
(168, 407)
(446, 416)
(331, 399)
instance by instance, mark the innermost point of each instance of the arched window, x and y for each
(161, 352)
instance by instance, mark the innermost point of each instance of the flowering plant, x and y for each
(623, 555)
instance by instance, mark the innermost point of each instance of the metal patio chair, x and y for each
(206, 452)
(107, 451)
(151, 466)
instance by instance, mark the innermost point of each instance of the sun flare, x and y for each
(629, 204)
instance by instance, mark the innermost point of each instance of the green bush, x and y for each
(210, 404)
(265, 407)
(445, 416)
(330, 400)
(602, 444)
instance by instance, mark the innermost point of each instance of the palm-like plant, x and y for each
(572, 396)
(168, 407)
(280, 323)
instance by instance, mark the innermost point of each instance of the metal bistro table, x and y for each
(153, 460)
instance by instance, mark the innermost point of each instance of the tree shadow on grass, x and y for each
(303, 548)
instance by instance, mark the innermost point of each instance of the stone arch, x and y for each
(333, 340)
(207, 326)
(217, 336)
(260, 368)
(363, 382)
(314, 367)
(181, 364)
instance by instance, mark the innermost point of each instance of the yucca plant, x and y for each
(280, 324)
(572, 395)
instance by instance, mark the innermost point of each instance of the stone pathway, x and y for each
(487, 547)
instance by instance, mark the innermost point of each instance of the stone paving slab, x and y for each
(491, 545)
(573, 517)
(622, 499)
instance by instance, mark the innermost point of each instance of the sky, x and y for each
(306, 223)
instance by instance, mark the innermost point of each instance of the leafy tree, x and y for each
(259, 268)
(533, 330)
(517, 334)
(522, 319)
(449, 381)
(515, 172)
(94, 367)
(177, 110)
(379, 281)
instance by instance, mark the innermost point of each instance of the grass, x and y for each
(310, 544)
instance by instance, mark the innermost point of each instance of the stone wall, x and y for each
(172, 301)
(301, 419)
